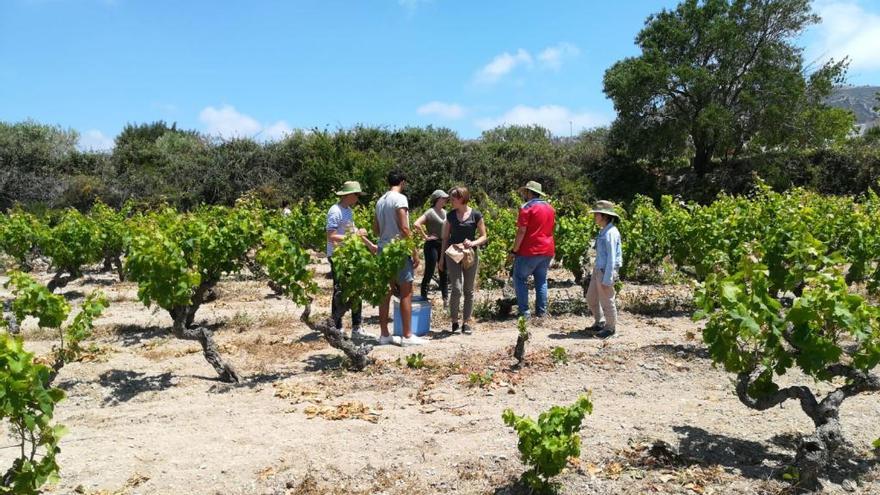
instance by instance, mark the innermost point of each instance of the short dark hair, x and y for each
(395, 177)
(609, 218)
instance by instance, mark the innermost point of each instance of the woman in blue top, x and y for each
(609, 259)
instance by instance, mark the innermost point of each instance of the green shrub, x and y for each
(28, 406)
(548, 443)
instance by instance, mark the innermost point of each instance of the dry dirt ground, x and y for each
(146, 414)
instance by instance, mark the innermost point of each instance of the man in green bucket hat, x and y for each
(533, 248)
(340, 222)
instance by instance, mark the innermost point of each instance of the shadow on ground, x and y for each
(125, 385)
(757, 461)
(679, 350)
(324, 362)
(136, 334)
(106, 282)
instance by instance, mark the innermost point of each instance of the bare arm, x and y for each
(479, 241)
(420, 223)
(520, 235)
(405, 232)
(334, 238)
(362, 233)
(445, 245)
(403, 222)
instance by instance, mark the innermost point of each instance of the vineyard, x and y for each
(774, 292)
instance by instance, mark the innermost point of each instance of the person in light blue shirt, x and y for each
(340, 222)
(609, 259)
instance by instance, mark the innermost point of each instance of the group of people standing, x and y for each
(452, 242)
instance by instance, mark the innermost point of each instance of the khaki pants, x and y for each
(600, 299)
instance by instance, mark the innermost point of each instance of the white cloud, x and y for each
(553, 56)
(502, 65)
(227, 122)
(95, 140)
(847, 29)
(558, 119)
(449, 111)
(276, 131)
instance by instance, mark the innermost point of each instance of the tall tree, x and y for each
(715, 76)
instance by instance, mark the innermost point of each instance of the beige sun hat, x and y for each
(606, 207)
(350, 187)
(535, 187)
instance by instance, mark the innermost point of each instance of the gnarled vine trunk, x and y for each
(184, 316)
(519, 352)
(11, 321)
(63, 277)
(815, 450)
(258, 272)
(358, 354)
(114, 263)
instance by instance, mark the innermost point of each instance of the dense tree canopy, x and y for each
(716, 77)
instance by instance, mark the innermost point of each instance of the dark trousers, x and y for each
(432, 257)
(337, 302)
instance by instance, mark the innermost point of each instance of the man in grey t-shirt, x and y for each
(391, 222)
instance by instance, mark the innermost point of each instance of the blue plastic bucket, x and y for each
(421, 317)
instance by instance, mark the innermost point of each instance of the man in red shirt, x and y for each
(533, 248)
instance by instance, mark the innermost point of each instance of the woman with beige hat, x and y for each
(609, 259)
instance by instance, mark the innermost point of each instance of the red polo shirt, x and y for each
(539, 218)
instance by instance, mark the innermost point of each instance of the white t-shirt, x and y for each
(386, 215)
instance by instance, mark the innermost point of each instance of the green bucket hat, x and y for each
(350, 187)
(606, 207)
(533, 186)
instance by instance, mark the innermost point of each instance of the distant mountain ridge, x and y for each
(861, 100)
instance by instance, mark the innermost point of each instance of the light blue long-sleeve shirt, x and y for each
(609, 254)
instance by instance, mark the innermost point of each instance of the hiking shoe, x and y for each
(389, 340)
(360, 333)
(605, 333)
(466, 329)
(455, 327)
(412, 340)
(596, 328)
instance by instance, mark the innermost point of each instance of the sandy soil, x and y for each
(147, 415)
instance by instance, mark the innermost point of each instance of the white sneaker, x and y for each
(389, 340)
(412, 340)
(359, 333)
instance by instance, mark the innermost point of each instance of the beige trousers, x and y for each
(600, 299)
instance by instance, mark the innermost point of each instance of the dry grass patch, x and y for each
(385, 481)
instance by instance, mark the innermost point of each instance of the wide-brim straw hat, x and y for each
(533, 186)
(606, 207)
(350, 187)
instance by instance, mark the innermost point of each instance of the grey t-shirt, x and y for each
(386, 215)
(434, 222)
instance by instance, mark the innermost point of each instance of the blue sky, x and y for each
(261, 68)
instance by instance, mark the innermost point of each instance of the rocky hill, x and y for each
(861, 100)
